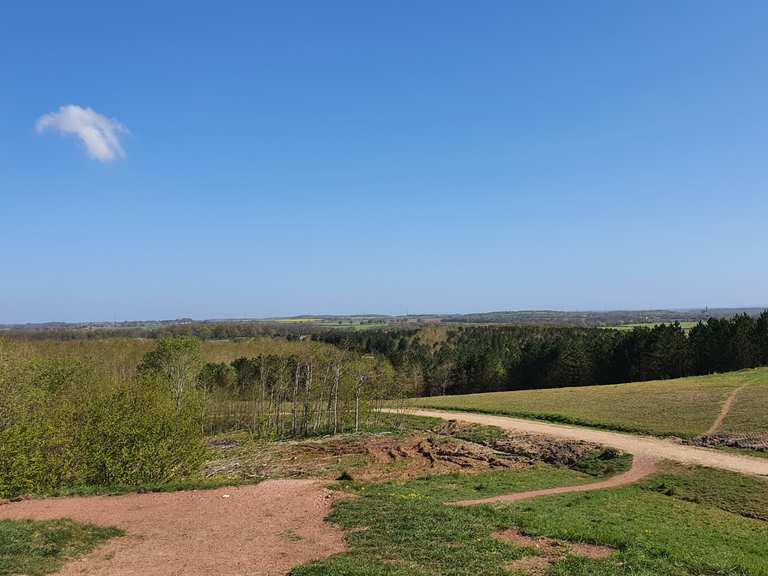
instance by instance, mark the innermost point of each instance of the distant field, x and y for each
(684, 407)
(684, 325)
(341, 323)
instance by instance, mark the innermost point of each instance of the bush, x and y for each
(63, 425)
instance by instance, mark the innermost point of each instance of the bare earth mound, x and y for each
(373, 458)
(261, 530)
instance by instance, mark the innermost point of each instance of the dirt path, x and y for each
(724, 411)
(261, 530)
(647, 447)
(641, 467)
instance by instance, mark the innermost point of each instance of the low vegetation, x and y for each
(742, 495)
(404, 528)
(63, 425)
(74, 422)
(683, 407)
(749, 413)
(38, 548)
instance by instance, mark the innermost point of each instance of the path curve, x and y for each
(261, 530)
(724, 411)
(641, 468)
(639, 446)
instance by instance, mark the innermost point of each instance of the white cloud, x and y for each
(99, 133)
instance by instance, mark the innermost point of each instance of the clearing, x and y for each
(263, 530)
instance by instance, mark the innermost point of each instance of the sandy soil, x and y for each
(647, 447)
(260, 530)
(641, 467)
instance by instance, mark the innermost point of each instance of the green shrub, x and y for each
(63, 425)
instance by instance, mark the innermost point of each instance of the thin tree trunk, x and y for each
(358, 387)
(294, 400)
(307, 389)
(336, 382)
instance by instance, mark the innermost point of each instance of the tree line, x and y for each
(492, 358)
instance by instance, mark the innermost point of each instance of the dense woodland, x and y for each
(491, 358)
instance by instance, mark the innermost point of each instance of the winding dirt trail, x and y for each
(261, 530)
(645, 447)
(724, 411)
(641, 467)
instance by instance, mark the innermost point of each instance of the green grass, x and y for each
(404, 529)
(36, 548)
(682, 407)
(727, 491)
(749, 412)
(118, 489)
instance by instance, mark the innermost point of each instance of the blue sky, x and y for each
(391, 157)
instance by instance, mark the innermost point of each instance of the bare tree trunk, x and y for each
(336, 383)
(294, 399)
(307, 390)
(358, 389)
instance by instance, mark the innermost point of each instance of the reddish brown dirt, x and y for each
(261, 530)
(641, 467)
(554, 548)
(549, 551)
(369, 459)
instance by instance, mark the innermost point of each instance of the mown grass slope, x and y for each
(684, 407)
(749, 412)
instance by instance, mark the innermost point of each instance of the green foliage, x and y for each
(65, 425)
(490, 358)
(176, 363)
(605, 462)
(38, 548)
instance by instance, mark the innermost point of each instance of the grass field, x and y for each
(684, 407)
(684, 522)
(37, 548)
(749, 412)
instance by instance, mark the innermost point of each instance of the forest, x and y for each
(493, 358)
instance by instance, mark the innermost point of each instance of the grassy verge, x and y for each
(404, 528)
(727, 491)
(190, 484)
(749, 412)
(684, 407)
(37, 548)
